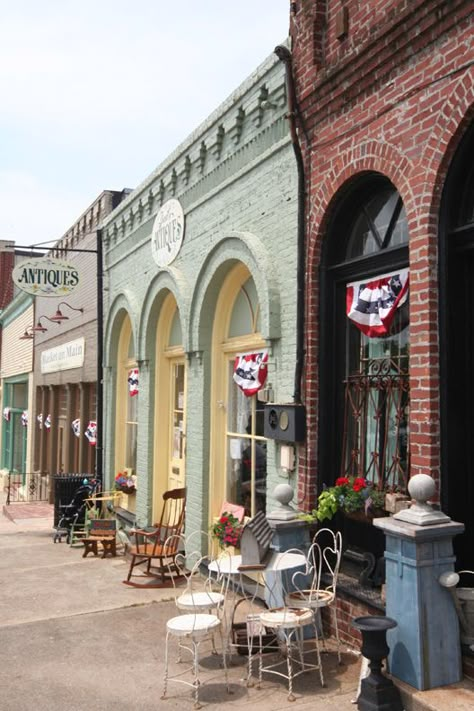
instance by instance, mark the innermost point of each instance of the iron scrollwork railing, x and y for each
(375, 442)
(33, 486)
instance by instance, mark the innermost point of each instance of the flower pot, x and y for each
(127, 489)
(364, 517)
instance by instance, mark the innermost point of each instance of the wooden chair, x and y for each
(157, 549)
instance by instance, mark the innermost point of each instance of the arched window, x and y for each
(239, 448)
(127, 404)
(364, 363)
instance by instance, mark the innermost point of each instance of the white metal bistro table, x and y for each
(277, 564)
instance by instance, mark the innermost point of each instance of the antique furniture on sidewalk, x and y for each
(200, 608)
(158, 547)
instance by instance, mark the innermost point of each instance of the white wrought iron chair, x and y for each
(199, 620)
(287, 622)
(323, 563)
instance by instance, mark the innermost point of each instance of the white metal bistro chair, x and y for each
(199, 620)
(288, 624)
(323, 563)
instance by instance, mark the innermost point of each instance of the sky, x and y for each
(95, 94)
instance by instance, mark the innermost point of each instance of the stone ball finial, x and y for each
(421, 487)
(283, 493)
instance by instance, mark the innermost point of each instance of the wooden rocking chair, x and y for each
(158, 548)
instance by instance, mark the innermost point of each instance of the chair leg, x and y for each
(337, 636)
(165, 680)
(224, 660)
(197, 683)
(289, 666)
(318, 655)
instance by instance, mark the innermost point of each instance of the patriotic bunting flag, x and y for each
(6, 413)
(47, 423)
(91, 432)
(24, 418)
(250, 371)
(133, 381)
(76, 427)
(372, 303)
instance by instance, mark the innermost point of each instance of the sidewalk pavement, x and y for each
(73, 636)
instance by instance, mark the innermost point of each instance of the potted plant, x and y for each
(355, 497)
(226, 530)
(125, 483)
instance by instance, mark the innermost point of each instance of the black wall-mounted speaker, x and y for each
(286, 423)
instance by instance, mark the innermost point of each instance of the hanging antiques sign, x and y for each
(168, 233)
(45, 276)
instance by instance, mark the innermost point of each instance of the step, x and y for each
(455, 697)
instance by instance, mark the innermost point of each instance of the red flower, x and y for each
(342, 481)
(359, 484)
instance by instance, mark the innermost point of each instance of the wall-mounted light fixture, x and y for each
(59, 316)
(28, 335)
(39, 328)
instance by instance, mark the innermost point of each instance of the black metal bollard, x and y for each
(377, 691)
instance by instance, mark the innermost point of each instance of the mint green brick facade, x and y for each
(235, 178)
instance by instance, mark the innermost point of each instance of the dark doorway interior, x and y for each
(457, 346)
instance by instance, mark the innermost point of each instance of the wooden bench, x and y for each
(103, 531)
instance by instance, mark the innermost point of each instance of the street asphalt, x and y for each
(73, 637)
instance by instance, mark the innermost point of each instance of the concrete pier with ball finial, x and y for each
(425, 649)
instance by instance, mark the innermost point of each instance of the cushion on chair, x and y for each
(287, 617)
(202, 600)
(192, 625)
(310, 598)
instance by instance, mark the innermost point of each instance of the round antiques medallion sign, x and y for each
(168, 233)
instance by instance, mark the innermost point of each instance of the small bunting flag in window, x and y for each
(91, 432)
(76, 427)
(24, 418)
(372, 303)
(6, 413)
(47, 422)
(250, 371)
(40, 420)
(133, 381)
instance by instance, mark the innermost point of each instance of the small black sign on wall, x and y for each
(286, 423)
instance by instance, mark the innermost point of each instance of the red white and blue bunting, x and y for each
(24, 418)
(47, 423)
(76, 427)
(250, 371)
(91, 432)
(133, 381)
(372, 303)
(6, 413)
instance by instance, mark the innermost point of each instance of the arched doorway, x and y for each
(457, 345)
(170, 405)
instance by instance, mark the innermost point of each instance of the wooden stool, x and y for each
(101, 531)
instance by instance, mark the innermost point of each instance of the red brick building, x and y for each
(385, 116)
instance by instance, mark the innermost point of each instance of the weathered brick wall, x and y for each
(392, 95)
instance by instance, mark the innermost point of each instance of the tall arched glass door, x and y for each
(170, 405)
(238, 447)
(126, 425)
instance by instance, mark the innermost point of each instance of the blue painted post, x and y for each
(425, 646)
